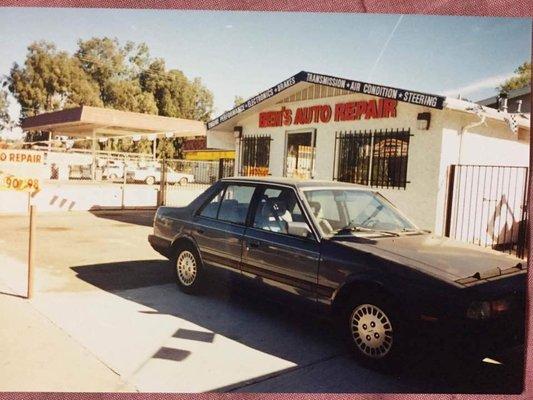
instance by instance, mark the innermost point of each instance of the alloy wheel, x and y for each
(186, 268)
(371, 330)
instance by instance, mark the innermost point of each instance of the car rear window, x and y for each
(230, 205)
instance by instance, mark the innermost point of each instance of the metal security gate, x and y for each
(255, 156)
(487, 206)
(226, 167)
(374, 158)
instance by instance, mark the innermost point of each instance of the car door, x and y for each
(271, 249)
(219, 225)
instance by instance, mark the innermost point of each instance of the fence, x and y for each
(372, 158)
(487, 206)
(182, 180)
(72, 181)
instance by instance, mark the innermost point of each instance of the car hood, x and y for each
(440, 256)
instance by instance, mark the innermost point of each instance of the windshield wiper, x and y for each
(351, 227)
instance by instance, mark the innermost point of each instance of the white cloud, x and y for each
(490, 82)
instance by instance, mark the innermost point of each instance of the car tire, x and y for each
(188, 269)
(150, 180)
(375, 331)
(183, 181)
(113, 177)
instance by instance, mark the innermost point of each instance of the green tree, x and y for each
(238, 100)
(116, 70)
(103, 72)
(128, 96)
(174, 94)
(126, 144)
(144, 146)
(521, 79)
(50, 80)
(165, 148)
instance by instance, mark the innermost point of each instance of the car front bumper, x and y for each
(475, 336)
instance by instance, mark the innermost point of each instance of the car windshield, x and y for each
(341, 211)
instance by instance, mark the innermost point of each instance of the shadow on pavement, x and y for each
(137, 217)
(237, 310)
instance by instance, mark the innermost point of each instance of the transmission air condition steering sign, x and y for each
(21, 170)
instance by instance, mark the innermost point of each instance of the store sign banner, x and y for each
(293, 80)
(385, 92)
(421, 99)
(21, 170)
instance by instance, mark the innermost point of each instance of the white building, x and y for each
(402, 142)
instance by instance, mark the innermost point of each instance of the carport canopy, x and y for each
(85, 121)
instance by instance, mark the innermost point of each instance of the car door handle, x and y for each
(254, 244)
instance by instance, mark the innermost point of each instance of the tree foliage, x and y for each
(521, 79)
(238, 100)
(165, 148)
(50, 80)
(174, 94)
(104, 72)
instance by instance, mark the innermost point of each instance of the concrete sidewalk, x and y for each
(107, 316)
(37, 355)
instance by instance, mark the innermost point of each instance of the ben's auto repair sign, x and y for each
(350, 111)
(386, 92)
(21, 170)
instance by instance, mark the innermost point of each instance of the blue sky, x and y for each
(243, 53)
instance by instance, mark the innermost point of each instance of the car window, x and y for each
(276, 209)
(230, 205)
(210, 210)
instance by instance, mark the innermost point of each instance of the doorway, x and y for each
(300, 154)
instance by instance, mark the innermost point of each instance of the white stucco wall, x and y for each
(491, 143)
(418, 200)
(430, 151)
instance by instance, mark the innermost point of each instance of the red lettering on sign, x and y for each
(371, 110)
(360, 109)
(350, 111)
(389, 108)
(339, 111)
(325, 113)
(287, 117)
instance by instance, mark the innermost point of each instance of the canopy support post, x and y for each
(93, 165)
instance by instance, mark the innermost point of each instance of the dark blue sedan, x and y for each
(350, 252)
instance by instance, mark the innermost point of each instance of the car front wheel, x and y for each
(187, 269)
(150, 180)
(375, 331)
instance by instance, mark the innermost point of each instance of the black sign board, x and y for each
(406, 96)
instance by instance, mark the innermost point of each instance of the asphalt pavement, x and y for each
(107, 301)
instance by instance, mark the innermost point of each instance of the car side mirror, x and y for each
(298, 229)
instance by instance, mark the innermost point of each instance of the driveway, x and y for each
(100, 282)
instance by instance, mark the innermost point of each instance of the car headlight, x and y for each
(487, 309)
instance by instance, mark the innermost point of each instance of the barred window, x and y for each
(255, 155)
(373, 158)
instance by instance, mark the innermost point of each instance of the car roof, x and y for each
(297, 183)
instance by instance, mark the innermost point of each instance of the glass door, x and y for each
(300, 155)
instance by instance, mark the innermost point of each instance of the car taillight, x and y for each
(499, 306)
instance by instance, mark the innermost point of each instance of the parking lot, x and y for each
(101, 285)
